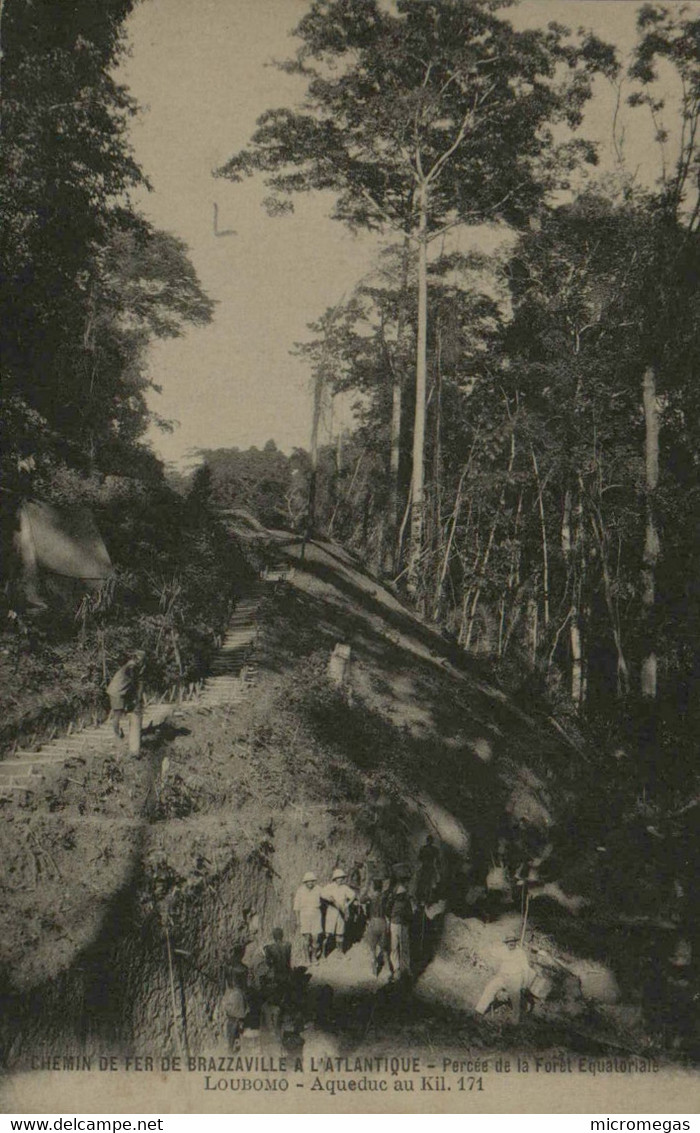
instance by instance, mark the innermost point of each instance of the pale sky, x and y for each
(201, 71)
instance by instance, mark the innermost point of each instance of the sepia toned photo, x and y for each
(349, 654)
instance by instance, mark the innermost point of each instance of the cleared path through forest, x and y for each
(232, 673)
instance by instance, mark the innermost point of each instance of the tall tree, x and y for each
(671, 38)
(66, 168)
(86, 282)
(418, 118)
(361, 348)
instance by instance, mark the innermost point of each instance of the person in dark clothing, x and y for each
(400, 915)
(377, 930)
(234, 1004)
(428, 875)
(125, 690)
(278, 956)
(275, 988)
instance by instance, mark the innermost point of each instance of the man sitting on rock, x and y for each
(512, 978)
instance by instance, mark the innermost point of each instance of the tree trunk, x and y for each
(135, 724)
(448, 548)
(501, 624)
(512, 592)
(545, 551)
(315, 419)
(394, 459)
(396, 404)
(482, 573)
(417, 496)
(532, 628)
(576, 662)
(652, 546)
(489, 545)
(348, 494)
(578, 621)
(574, 612)
(611, 603)
(402, 529)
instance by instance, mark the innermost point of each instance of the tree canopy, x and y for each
(417, 119)
(419, 97)
(86, 280)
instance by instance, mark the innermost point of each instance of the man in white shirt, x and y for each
(307, 906)
(338, 897)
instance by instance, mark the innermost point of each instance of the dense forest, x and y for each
(524, 455)
(88, 283)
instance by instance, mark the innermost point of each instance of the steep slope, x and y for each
(193, 855)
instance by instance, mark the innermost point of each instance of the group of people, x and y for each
(385, 907)
(269, 994)
(323, 912)
(272, 996)
(390, 912)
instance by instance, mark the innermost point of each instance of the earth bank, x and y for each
(132, 884)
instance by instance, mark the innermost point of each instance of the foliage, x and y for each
(536, 499)
(672, 38)
(393, 97)
(86, 281)
(417, 119)
(270, 486)
(87, 284)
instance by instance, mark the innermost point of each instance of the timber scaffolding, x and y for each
(233, 673)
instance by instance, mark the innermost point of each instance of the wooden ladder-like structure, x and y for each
(232, 676)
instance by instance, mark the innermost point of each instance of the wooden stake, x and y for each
(526, 891)
(135, 720)
(172, 989)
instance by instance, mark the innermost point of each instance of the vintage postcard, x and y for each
(350, 499)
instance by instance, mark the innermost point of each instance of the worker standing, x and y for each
(400, 914)
(428, 873)
(377, 931)
(307, 906)
(338, 897)
(275, 986)
(234, 1004)
(278, 957)
(125, 692)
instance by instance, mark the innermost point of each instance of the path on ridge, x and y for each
(232, 675)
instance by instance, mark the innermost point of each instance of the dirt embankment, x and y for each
(131, 885)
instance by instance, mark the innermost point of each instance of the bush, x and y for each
(176, 575)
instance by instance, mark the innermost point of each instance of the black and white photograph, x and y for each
(350, 628)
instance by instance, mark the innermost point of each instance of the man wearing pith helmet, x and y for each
(338, 897)
(307, 906)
